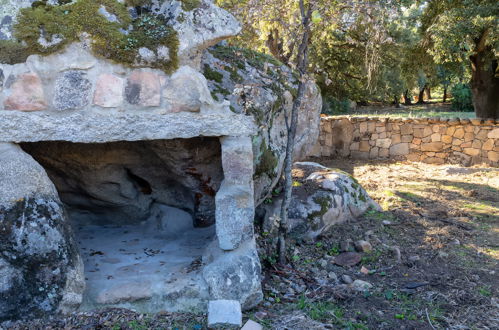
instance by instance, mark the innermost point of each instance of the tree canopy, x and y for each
(384, 51)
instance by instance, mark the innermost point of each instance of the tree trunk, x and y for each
(421, 95)
(396, 101)
(445, 94)
(485, 81)
(407, 99)
(291, 128)
(428, 93)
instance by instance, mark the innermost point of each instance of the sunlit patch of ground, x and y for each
(444, 221)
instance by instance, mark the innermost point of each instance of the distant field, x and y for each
(413, 111)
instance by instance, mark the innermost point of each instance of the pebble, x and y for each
(346, 279)
(359, 285)
(323, 263)
(333, 277)
(363, 246)
(414, 258)
(387, 223)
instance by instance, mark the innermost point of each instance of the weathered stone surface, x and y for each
(384, 143)
(433, 146)
(26, 93)
(235, 275)
(41, 268)
(8, 12)
(347, 259)
(109, 91)
(199, 28)
(72, 90)
(399, 149)
(264, 89)
(335, 198)
(494, 134)
(224, 313)
(187, 90)
(143, 89)
(363, 246)
(359, 285)
(493, 156)
(92, 127)
(123, 182)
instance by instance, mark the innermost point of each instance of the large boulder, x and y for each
(322, 197)
(258, 85)
(40, 268)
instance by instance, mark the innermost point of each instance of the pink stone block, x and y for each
(26, 94)
(109, 91)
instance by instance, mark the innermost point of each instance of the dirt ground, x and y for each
(433, 263)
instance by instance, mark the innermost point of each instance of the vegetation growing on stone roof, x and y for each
(44, 29)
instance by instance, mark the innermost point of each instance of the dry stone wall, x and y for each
(429, 140)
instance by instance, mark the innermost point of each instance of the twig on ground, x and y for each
(428, 318)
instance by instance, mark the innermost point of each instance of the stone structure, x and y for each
(124, 185)
(430, 140)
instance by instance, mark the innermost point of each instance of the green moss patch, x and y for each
(189, 5)
(267, 162)
(213, 75)
(63, 24)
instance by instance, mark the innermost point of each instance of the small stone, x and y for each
(347, 259)
(387, 223)
(72, 90)
(346, 245)
(109, 91)
(224, 312)
(26, 94)
(143, 89)
(252, 325)
(414, 258)
(333, 277)
(363, 246)
(323, 263)
(346, 279)
(359, 285)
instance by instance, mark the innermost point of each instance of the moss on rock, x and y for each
(45, 29)
(267, 163)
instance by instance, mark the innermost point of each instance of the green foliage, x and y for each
(267, 163)
(61, 25)
(462, 98)
(12, 52)
(211, 74)
(333, 106)
(189, 5)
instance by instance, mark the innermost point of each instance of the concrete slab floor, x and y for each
(131, 267)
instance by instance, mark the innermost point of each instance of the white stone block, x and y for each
(224, 312)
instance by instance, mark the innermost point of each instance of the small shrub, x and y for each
(462, 98)
(333, 106)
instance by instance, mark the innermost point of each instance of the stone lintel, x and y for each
(91, 127)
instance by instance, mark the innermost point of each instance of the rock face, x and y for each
(322, 197)
(127, 136)
(119, 183)
(258, 85)
(40, 268)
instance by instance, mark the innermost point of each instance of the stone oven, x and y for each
(122, 185)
